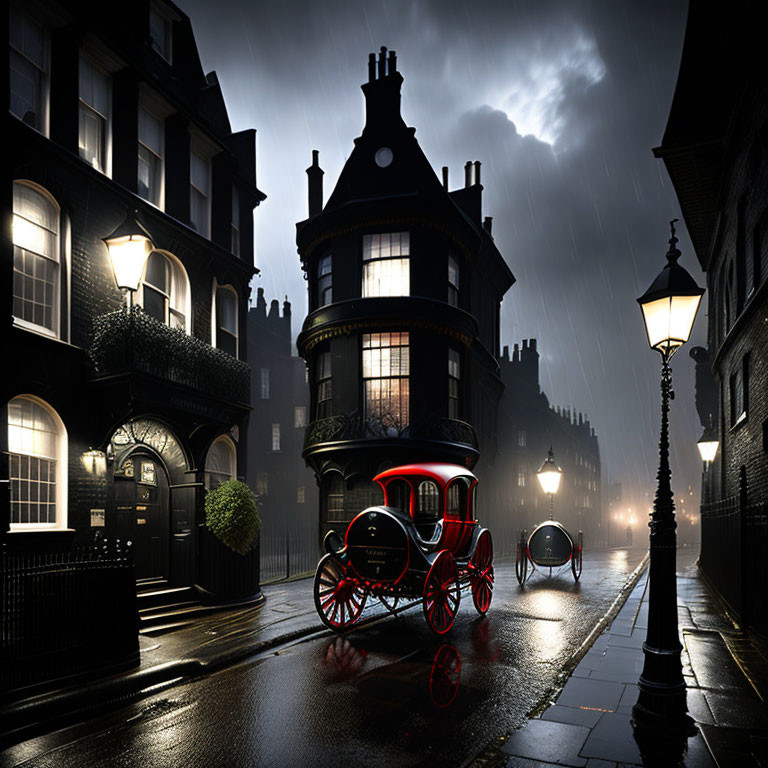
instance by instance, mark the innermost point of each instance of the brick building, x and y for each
(116, 419)
(715, 148)
(528, 426)
(405, 286)
(276, 471)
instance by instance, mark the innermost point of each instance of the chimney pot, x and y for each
(383, 62)
(488, 224)
(371, 67)
(506, 352)
(445, 178)
(392, 65)
(477, 171)
(315, 185)
(467, 173)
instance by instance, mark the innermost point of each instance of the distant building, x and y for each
(276, 470)
(715, 148)
(405, 286)
(528, 426)
(116, 421)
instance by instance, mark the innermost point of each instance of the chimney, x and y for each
(467, 174)
(488, 224)
(382, 91)
(315, 185)
(261, 305)
(516, 354)
(477, 171)
(505, 353)
(287, 309)
(274, 310)
(445, 178)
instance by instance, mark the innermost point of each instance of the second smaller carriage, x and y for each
(549, 546)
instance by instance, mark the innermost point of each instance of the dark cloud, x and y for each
(561, 102)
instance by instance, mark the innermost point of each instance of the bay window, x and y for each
(386, 264)
(386, 383)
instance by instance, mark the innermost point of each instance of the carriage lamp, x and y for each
(549, 478)
(669, 308)
(129, 247)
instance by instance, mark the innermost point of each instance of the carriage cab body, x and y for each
(550, 545)
(423, 542)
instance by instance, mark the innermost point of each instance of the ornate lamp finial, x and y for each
(673, 254)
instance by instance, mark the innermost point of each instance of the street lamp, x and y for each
(669, 308)
(708, 444)
(549, 477)
(129, 247)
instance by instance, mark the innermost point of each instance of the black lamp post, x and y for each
(669, 308)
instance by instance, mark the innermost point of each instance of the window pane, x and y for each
(219, 464)
(156, 272)
(385, 272)
(92, 137)
(150, 131)
(154, 303)
(226, 310)
(386, 383)
(160, 33)
(94, 88)
(149, 175)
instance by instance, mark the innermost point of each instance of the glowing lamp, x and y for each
(129, 247)
(549, 474)
(670, 304)
(708, 444)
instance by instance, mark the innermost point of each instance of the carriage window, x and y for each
(473, 503)
(429, 499)
(399, 495)
(456, 497)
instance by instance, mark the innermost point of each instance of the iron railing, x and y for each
(353, 426)
(131, 340)
(289, 549)
(67, 613)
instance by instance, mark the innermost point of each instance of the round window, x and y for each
(383, 157)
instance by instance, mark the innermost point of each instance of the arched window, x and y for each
(225, 319)
(37, 448)
(36, 260)
(221, 462)
(165, 291)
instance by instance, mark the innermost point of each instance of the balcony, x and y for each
(353, 427)
(130, 341)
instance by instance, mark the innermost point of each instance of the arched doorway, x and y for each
(148, 464)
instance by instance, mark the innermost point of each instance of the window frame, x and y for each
(402, 420)
(454, 383)
(173, 263)
(234, 222)
(454, 289)
(325, 280)
(370, 284)
(44, 96)
(324, 386)
(152, 114)
(232, 450)
(276, 437)
(84, 106)
(264, 384)
(157, 9)
(198, 152)
(299, 416)
(216, 327)
(62, 467)
(59, 261)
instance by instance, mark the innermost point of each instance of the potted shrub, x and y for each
(232, 515)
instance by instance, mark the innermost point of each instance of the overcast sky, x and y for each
(562, 102)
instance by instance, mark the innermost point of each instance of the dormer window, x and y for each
(386, 266)
(160, 32)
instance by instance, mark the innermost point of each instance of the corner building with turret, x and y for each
(402, 336)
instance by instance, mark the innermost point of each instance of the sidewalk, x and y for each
(589, 723)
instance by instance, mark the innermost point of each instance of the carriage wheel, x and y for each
(339, 599)
(442, 593)
(521, 564)
(444, 676)
(481, 573)
(577, 558)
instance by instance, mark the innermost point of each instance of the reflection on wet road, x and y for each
(389, 694)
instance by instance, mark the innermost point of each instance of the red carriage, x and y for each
(424, 542)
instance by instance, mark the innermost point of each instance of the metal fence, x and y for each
(289, 548)
(66, 613)
(734, 543)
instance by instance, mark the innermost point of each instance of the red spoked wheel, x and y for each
(444, 676)
(339, 596)
(442, 593)
(481, 573)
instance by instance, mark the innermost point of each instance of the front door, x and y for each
(144, 492)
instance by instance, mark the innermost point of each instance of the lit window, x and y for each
(386, 382)
(300, 416)
(164, 291)
(36, 271)
(324, 389)
(94, 115)
(37, 447)
(28, 71)
(264, 380)
(150, 171)
(386, 266)
(235, 223)
(160, 33)
(262, 483)
(454, 381)
(226, 319)
(521, 479)
(453, 280)
(199, 193)
(220, 463)
(522, 438)
(333, 485)
(275, 437)
(301, 494)
(324, 281)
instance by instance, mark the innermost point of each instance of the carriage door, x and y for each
(150, 529)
